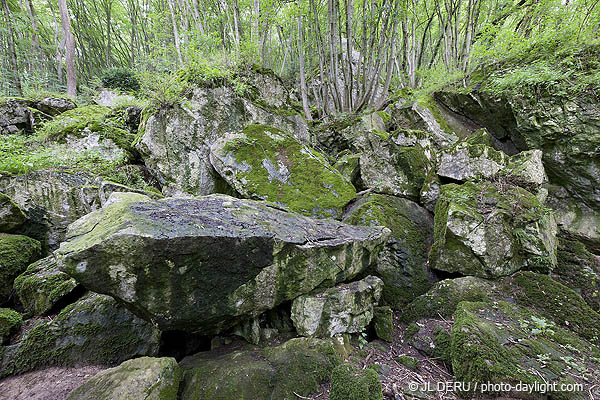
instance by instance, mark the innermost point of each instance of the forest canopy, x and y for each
(395, 46)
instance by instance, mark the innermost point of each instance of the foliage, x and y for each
(120, 78)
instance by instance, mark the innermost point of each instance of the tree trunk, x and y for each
(303, 89)
(11, 49)
(69, 47)
(175, 32)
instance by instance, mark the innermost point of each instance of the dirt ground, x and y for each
(49, 384)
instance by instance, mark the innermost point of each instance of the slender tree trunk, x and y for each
(69, 47)
(237, 30)
(11, 49)
(303, 90)
(175, 32)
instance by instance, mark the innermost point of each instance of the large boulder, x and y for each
(175, 141)
(10, 323)
(43, 287)
(15, 116)
(94, 330)
(16, 253)
(203, 264)
(488, 230)
(350, 383)
(502, 343)
(11, 216)
(346, 308)
(402, 264)
(294, 368)
(141, 378)
(265, 163)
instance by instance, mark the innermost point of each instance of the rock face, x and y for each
(526, 169)
(402, 264)
(14, 116)
(489, 231)
(265, 163)
(11, 216)
(346, 308)
(203, 264)
(95, 330)
(473, 158)
(43, 287)
(16, 253)
(296, 367)
(51, 200)
(175, 142)
(504, 343)
(141, 378)
(567, 129)
(10, 323)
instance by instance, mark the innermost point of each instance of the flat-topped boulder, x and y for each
(203, 264)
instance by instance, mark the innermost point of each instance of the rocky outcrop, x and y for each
(488, 230)
(141, 378)
(295, 368)
(94, 330)
(346, 308)
(265, 163)
(16, 253)
(402, 264)
(10, 323)
(203, 264)
(21, 115)
(11, 216)
(43, 287)
(175, 141)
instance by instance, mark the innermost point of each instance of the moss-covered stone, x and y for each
(350, 383)
(297, 366)
(503, 343)
(526, 169)
(578, 269)
(141, 378)
(443, 298)
(492, 230)
(348, 165)
(205, 264)
(383, 323)
(11, 216)
(402, 264)
(346, 308)
(10, 323)
(42, 286)
(94, 330)
(408, 361)
(16, 253)
(265, 163)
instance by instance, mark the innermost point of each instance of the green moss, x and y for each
(427, 101)
(10, 322)
(383, 323)
(16, 253)
(408, 361)
(349, 383)
(384, 116)
(277, 168)
(442, 343)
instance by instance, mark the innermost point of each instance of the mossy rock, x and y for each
(402, 264)
(492, 230)
(43, 286)
(348, 165)
(16, 253)
(10, 322)
(265, 163)
(94, 330)
(409, 362)
(504, 343)
(556, 302)
(526, 169)
(296, 366)
(383, 323)
(350, 383)
(11, 216)
(578, 269)
(141, 378)
(443, 298)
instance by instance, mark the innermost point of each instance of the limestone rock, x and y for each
(94, 330)
(15, 116)
(473, 158)
(54, 106)
(297, 367)
(10, 323)
(11, 216)
(175, 142)
(489, 231)
(141, 378)
(346, 308)
(43, 286)
(526, 169)
(402, 264)
(430, 192)
(16, 253)
(383, 323)
(204, 264)
(265, 163)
